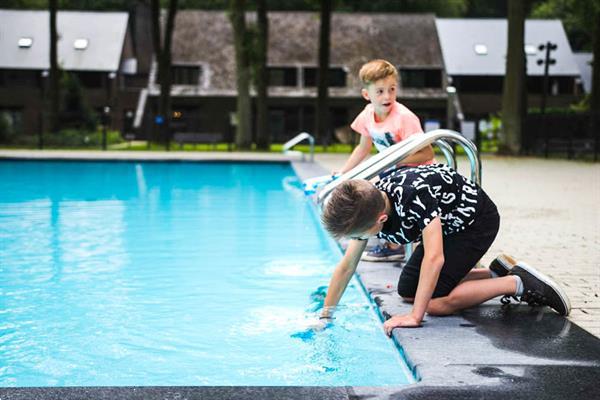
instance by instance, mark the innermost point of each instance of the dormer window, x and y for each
(80, 44)
(25, 42)
(530, 49)
(480, 49)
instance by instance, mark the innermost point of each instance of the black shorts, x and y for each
(462, 251)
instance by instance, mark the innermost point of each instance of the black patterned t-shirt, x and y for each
(420, 194)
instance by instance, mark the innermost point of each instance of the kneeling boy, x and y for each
(455, 222)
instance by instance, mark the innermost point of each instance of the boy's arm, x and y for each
(341, 275)
(358, 154)
(432, 263)
(420, 157)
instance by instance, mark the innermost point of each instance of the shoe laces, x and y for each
(506, 299)
(534, 298)
(379, 249)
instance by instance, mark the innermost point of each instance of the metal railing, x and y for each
(287, 146)
(398, 152)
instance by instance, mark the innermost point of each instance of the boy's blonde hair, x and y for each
(375, 70)
(353, 207)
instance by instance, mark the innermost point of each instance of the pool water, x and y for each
(123, 273)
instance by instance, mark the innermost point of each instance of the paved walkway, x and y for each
(550, 212)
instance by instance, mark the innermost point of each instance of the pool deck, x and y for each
(550, 218)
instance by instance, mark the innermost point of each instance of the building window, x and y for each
(20, 78)
(25, 42)
(185, 75)
(337, 77)
(90, 80)
(421, 78)
(12, 122)
(480, 49)
(478, 84)
(283, 76)
(530, 49)
(80, 44)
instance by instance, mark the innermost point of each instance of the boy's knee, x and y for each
(441, 306)
(406, 290)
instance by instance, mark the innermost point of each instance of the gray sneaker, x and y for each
(541, 290)
(383, 253)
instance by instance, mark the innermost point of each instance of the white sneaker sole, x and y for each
(398, 257)
(550, 282)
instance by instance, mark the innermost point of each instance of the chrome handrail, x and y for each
(297, 139)
(399, 151)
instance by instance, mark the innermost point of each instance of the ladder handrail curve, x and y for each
(399, 151)
(299, 138)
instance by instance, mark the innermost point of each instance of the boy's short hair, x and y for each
(375, 70)
(352, 207)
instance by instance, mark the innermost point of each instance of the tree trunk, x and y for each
(514, 80)
(322, 112)
(54, 74)
(162, 49)
(263, 138)
(595, 96)
(243, 133)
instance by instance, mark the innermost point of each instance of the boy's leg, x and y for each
(462, 251)
(524, 281)
(472, 293)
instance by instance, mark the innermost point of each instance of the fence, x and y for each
(570, 135)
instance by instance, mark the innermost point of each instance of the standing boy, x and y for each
(384, 122)
(455, 221)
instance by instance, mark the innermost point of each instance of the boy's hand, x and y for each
(401, 321)
(320, 324)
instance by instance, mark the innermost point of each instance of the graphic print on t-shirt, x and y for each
(382, 140)
(420, 194)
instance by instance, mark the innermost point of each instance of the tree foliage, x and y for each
(577, 17)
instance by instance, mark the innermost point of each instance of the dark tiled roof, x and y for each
(408, 40)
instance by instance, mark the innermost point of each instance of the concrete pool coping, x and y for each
(487, 352)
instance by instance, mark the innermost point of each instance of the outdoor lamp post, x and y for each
(451, 91)
(107, 109)
(105, 122)
(546, 61)
(44, 74)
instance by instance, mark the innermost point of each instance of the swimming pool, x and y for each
(140, 274)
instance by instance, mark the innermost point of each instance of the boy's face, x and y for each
(382, 94)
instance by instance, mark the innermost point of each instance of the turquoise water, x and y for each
(174, 274)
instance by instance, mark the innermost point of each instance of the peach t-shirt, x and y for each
(399, 125)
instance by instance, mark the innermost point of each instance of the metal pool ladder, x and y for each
(297, 139)
(443, 138)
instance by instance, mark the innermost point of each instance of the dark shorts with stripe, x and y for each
(462, 251)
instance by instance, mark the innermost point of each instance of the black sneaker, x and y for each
(502, 264)
(541, 290)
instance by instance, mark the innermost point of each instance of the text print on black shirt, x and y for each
(420, 194)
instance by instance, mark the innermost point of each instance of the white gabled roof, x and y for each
(459, 36)
(105, 32)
